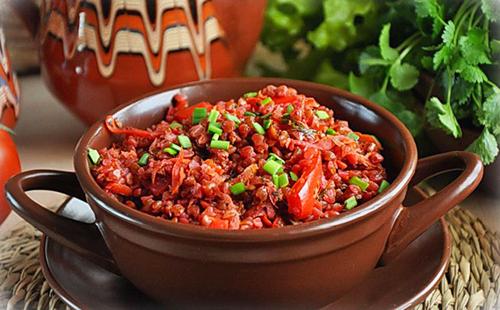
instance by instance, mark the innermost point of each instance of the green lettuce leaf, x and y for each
(345, 22)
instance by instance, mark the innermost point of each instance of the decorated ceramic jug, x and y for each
(97, 54)
(9, 111)
(9, 89)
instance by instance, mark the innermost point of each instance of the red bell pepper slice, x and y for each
(120, 189)
(284, 99)
(187, 113)
(302, 196)
(114, 127)
(219, 223)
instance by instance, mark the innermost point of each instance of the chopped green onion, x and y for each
(330, 131)
(232, 118)
(250, 94)
(175, 125)
(175, 147)
(383, 186)
(212, 117)
(267, 123)
(293, 176)
(199, 114)
(221, 145)
(285, 115)
(272, 166)
(283, 180)
(170, 151)
(266, 115)
(276, 158)
(355, 180)
(237, 188)
(266, 101)
(259, 129)
(143, 161)
(213, 128)
(322, 114)
(350, 203)
(215, 137)
(289, 108)
(184, 141)
(276, 180)
(353, 136)
(248, 113)
(94, 156)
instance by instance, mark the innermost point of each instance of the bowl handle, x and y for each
(81, 237)
(412, 221)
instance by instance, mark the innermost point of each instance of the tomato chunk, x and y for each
(302, 196)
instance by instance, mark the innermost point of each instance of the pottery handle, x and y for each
(81, 237)
(412, 221)
(28, 12)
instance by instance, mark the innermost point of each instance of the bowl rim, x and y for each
(157, 225)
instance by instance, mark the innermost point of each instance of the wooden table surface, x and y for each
(47, 133)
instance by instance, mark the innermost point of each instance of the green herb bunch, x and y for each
(381, 49)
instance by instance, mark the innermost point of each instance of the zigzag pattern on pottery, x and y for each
(107, 37)
(9, 88)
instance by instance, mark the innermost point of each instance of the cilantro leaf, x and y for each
(403, 76)
(371, 57)
(445, 54)
(428, 8)
(441, 116)
(474, 47)
(462, 90)
(486, 146)
(432, 10)
(387, 52)
(489, 113)
(448, 33)
(363, 85)
(471, 73)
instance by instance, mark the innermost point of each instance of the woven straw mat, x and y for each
(471, 282)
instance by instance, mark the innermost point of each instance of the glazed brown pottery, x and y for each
(306, 265)
(74, 278)
(98, 54)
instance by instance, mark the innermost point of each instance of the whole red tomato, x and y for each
(9, 166)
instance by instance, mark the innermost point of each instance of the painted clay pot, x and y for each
(98, 54)
(300, 266)
(9, 88)
(9, 112)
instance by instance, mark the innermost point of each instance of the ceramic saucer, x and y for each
(402, 284)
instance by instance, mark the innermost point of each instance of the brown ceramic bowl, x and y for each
(307, 265)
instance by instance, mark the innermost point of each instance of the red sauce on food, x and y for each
(268, 159)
